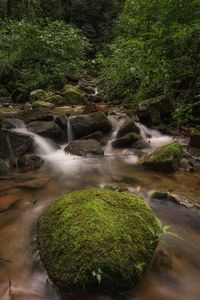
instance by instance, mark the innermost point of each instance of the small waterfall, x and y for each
(17, 123)
(69, 131)
(153, 137)
(10, 149)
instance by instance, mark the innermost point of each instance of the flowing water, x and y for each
(175, 269)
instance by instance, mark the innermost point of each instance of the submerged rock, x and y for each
(171, 197)
(165, 159)
(126, 140)
(85, 148)
(29, 162)
(7, 202)
(97, 235)
(127, 127)
(87, 124)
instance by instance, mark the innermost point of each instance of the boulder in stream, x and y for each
(97, 239)
(127, 127)
(46, 129)
(72, 95)
(87, 124)
(40, 95)
(164, 159)
(15, 144)
(29, 162)
(85, 148)
(126, 140)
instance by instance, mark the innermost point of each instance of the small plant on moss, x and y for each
(163, 229)
(98, 275)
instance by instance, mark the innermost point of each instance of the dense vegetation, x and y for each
(143, 48)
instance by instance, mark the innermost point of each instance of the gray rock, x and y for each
(85, 148)
(126, 141)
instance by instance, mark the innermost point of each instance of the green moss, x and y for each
(56, 100)
(165, 159)
(38, 95)
(72, 95)
(96, 229)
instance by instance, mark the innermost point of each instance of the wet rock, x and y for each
(62, 121)
(97, 135)
(46, 129)
(85, 148)
(46, 104)
(171, 197)
(195, 138)
(112, 224)
(72, 95)
(127, 127)
(3, 167)
(14, 144)
(7, 202)
(35, 114)
(38, 95)
(29, 162)
(87, 124)
(141, 144)
(152, 111)
(164, 159)
(126, 141)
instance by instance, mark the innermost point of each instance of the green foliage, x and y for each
(182, 114)
(157, 49)
(41, 55)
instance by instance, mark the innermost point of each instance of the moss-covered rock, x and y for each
(46, 129)
(56, 99)
(3, 167)
(72, 95)
(97, 233)
(38, 95)
(165, 159)
(46, 104)
(127, 127)
(87, 124)
(29, 162)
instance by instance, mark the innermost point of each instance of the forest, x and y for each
(99, 149)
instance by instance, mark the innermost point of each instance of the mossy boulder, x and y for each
(127, 127)
(165, 159)
(86, 124)
(43, 104)
(3, 167)
(56, 99)
(73, 95)
(97, 233)
(38, 95)
(29, 162)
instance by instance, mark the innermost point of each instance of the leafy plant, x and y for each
(98, 274)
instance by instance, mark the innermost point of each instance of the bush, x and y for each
(42, 55)
(156, 51)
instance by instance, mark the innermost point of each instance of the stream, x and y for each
(175, 269)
